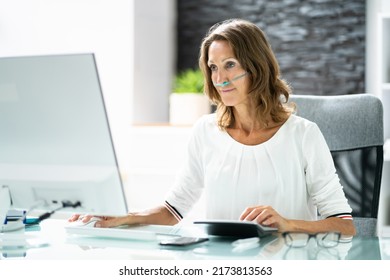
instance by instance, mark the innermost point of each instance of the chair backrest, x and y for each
(353, 129)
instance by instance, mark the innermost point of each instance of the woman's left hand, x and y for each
(265, 215)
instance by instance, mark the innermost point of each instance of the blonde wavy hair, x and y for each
(255, 55)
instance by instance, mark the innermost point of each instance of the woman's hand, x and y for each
(103, 221)
(156, 216)
(265, 215)
(79, 217)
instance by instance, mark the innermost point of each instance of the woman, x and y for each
(254, 159)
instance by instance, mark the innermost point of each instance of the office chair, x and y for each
(353, 129)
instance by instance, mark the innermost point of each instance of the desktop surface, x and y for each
(49, 241)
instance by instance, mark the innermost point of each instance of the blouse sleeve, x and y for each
(188, 184)
(322, 180)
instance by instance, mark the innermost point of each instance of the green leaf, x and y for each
(189, 81)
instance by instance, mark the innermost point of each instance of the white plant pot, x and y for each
(186, 108)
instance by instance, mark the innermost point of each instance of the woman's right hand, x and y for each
(104, 221)
(159, 215)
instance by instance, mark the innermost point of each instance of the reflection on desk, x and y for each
(51, 242)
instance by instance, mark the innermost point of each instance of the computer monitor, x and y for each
(55, 140)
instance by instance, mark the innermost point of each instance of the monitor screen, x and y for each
(55, 140)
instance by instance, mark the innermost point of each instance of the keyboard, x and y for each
(138, 232)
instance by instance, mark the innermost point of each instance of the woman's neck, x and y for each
(247, 121)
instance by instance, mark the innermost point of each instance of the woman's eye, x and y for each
(213, 68)
(230, 64)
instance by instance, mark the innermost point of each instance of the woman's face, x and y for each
(228, 76)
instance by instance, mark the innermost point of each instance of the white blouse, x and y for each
(293, 172)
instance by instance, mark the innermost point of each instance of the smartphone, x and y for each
(183, 241)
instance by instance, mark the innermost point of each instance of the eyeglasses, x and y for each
(301, 239)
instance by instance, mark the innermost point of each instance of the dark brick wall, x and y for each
(320, 44)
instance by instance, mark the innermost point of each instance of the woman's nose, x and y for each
(220, 77)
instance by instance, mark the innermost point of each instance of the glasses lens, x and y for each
(296, 239)
(328, 239)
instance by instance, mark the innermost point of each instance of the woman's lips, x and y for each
(227, 90)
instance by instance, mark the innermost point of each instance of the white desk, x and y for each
(52, 243)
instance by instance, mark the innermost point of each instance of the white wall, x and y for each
(104, 27)
(373, 69)
(154, 59)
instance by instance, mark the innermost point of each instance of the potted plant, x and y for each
(188, 102)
